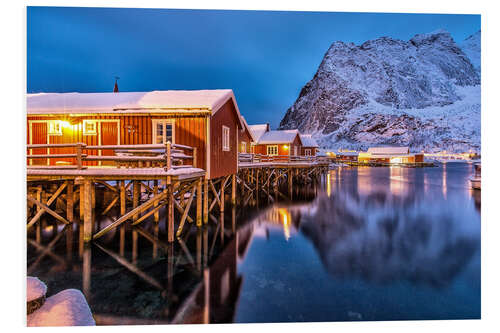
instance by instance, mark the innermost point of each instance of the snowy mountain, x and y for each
(471, 46)
(424, 93)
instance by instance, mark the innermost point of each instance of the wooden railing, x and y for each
(260, 158)
(146, 155)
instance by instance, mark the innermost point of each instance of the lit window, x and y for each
(307, 152)
(89, 127)
(163, 131)
(243, 147)
(272, 150)
(225, 138)
(55, 127)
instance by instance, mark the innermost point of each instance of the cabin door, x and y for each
(109, 136)
(38, 135)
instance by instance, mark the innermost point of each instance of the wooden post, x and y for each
(222, 196)
(69, 201)
(136, 192)
(195, 157)
(81, 203)
(39, 224)
(168, 155)
(233, 190)
(86, 271)
(205, 200)
(290, 183)
(79, 148)
(135, 239)
(170, 211)
(233, 219)
(123, 210)
(87, 210)
(155, 193)
(199, 196)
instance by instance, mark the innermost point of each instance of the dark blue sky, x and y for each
(265, 57)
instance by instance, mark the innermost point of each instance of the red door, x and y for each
(109, 136)
(38, 136)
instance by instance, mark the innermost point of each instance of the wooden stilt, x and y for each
(233, 190)
(205, 200)
(82, 203)
(123, 210)
(87, 271)
(199, 207)
(135, 239)
(170, 212)
(87, 210)
(136, 192)
(69, 201)
(155, 193)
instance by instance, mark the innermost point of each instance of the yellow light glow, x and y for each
(285, 147)
(286, 219)
(65, 123)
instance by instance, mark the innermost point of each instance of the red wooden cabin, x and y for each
(245, 138)
(283, 143)
(310, 146)
(206, 119)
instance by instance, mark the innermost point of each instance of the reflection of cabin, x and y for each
(309, 145)
(206, 119)
(390, 155)
(245, 138)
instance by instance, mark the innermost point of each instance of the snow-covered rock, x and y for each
(35, 288)
(423, 93)
(471, 46)
(66, 308)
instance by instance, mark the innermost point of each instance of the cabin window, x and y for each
(307, 152)
(243, 147)
(163, 131)
(225, 138)
(55, 127)
(89, 127)
(272, 150)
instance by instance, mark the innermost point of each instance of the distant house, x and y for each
(390, 155)
(346, 156)
(206, 119)
(245, 138)
(273, 143)
(309, 145)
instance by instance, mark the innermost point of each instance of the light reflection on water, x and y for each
(373, 244)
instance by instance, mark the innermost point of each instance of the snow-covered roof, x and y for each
(389, 150)
(258, 130)
(346, 153)
(308, 141)
(284, 136)
(245, 126)
(167, 100)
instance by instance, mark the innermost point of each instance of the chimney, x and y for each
(115, 89)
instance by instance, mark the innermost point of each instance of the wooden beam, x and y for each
(170, 212)
(47, 209)
(186, 211)
(49, 202)
(69, 201)
(199, 207)
(87, 210)
(205, 201)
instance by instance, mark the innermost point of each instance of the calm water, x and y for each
(366, 244)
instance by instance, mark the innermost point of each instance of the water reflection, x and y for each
(373, 244)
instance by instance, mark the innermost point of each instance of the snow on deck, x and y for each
(66, 308)
(135, 172)
(34, 288)
(93, 102)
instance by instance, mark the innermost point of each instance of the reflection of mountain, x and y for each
(363, 236)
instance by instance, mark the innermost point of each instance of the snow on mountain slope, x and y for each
(424, 93)
(471, 46)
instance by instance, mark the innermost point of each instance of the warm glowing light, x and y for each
(65, 123)
(286, 219)
(285, 147)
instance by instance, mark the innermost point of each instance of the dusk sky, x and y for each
(265, 57)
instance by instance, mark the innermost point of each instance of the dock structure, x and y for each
(139, 186)
(139, 152)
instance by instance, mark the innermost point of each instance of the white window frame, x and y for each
(91, 121)
(243, 146)
(272, 147)
(155, 123)
(54, 127)
(307, 152)
(226, 138)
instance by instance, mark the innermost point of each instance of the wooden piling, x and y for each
(69, 201)
(205, 200)
(123, 210)
(199, 207)
(87, 210)
(233, 190)
(155, 193)
(170, 211)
